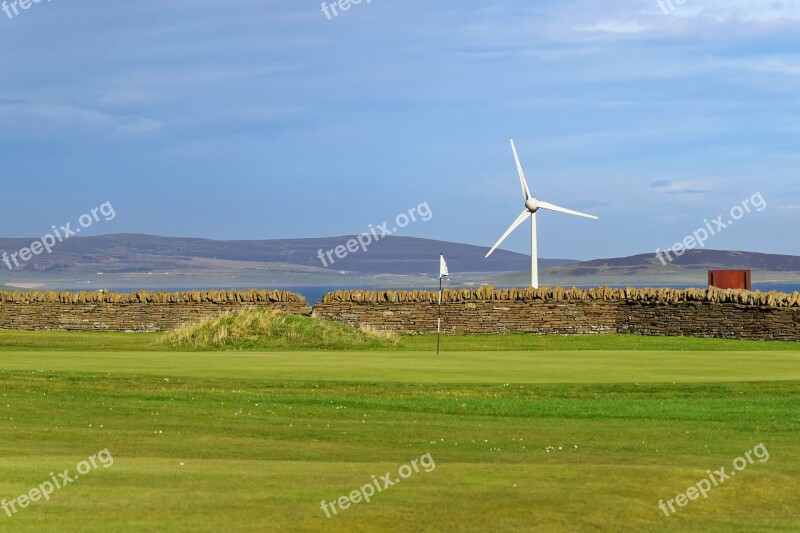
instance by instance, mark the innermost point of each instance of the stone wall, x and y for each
(141, 311)
(692, 312)
(723, 321)
(482, 316)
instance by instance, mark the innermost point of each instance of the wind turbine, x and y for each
(532, 205)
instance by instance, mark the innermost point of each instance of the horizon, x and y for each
(342, 238)
(350, 236)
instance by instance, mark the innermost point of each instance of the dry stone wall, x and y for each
(140, 311)
(724, 321)
(692, 312)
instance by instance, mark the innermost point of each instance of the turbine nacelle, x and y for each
(532, 204)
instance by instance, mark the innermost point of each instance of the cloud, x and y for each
(140, 125)
(614, 27)
(660, 18)
(24, 114)
(784, 65)
(682, 187)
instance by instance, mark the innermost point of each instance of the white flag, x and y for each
(443, 272)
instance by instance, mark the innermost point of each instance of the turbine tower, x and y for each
(532, 205)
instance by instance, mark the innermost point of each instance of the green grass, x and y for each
(558, 434)
(415, 367)
(267, 330)
(156, 342)
(255, 328)
(587, 342)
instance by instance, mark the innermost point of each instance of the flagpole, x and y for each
(443, 271)
(439, 317)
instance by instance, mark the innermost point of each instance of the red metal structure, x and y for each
(730, 279)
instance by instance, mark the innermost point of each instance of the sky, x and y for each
(262, 119)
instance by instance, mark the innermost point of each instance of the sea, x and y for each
(314, 294)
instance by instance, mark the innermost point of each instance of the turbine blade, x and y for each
(552, 207)
(516, 223)
(526, 192)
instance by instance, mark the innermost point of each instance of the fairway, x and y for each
(569, 440)
(409, 367)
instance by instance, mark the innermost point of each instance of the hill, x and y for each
(133, 260)
(145, 261)
(647, 269)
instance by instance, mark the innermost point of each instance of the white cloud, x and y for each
(28, 115)
(785, 65)
(140, 125)
(683, 187)
(674, 18)
(615, 27)
(737, 10)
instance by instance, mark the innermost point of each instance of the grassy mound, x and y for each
(269, 329)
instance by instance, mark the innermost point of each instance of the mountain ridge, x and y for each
(140, 260)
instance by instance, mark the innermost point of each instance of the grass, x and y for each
(254, 328)
(57, 341)
(527, 433)
(587, 342)
(236, 454)
(415, 367)
(267, 330)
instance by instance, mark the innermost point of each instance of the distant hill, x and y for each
(144, 253)
(702, 260)
(147, 261)
(647, 269)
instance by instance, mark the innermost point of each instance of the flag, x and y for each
(443, 272)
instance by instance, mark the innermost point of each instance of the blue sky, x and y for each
(264, 119)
